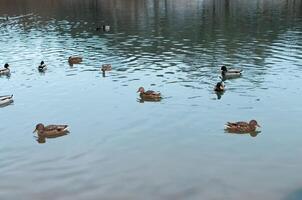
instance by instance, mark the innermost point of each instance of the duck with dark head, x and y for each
(5, 70)
(230, 73)
(42, 67)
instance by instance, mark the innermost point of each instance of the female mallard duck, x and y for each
(106, 67)
(42, 67)
(5, 70)
(230, 73)
(51, 130)
(7, 99)
(149, 94)
(75, 59)
(242, 127)
(219, 87)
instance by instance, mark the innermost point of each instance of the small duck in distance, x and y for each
(149, 94)
(219, 87)
(242, 127)
(51, 130)
(106, 67)
(75, 60)
(42, 67)
(105, 28)
(5, 70)
(230, 73)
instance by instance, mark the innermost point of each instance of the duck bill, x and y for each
(258, 125)
(35, 131)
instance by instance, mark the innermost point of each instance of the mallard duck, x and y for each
(106, 67)
(230, 73)
(75, 59)
(105, 28)
(42, 67)
(149, 94)
(219, 87)
(7, 99)
(5, 70)
(51, 130)
(242, 127)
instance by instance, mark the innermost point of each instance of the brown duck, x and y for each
(149, 94)
(75, 59)
(106, 67)
(51, 130)
(242, 127)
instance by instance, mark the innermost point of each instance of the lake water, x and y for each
(122, 148)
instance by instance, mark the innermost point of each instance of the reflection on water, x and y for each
(42, 139)
(252, 134)
(172, 149)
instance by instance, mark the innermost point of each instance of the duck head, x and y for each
(223, 68)
(39, 127)
(254, 123)
(141, 90)
(6, 65)
(42, 62)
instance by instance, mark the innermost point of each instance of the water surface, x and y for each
(122, 148)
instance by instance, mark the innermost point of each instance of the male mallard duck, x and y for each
(42, 67)
(51, 130)
(5, 70)
(75, 59)
(219, 87)
(106, 67)
(242, 127)
(149, 94)
(230, 73)
(7, 99)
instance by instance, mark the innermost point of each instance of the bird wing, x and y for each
(56, 127)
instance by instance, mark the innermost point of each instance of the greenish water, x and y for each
(121, 148)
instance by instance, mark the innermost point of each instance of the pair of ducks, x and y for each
(60, 130)
(227, 74)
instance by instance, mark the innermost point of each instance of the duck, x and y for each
(6, 99)
(230, 73)
(149, 94)
(75, 59)
(242, 127)
(50, 130)
(5, 70)
(105, 28)
(219, 87)
(42, 67)
(106, 67)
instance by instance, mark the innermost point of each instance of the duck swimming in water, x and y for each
(5, 70)
(50, 130)
(230, 73)
(42, 67)
(219, 87)
(106, 67)
(242, 127)
(75, 60)
(149, 94)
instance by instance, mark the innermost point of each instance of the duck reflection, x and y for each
(219, 94)
(42, 139)
(143, 100)
(252, 134)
